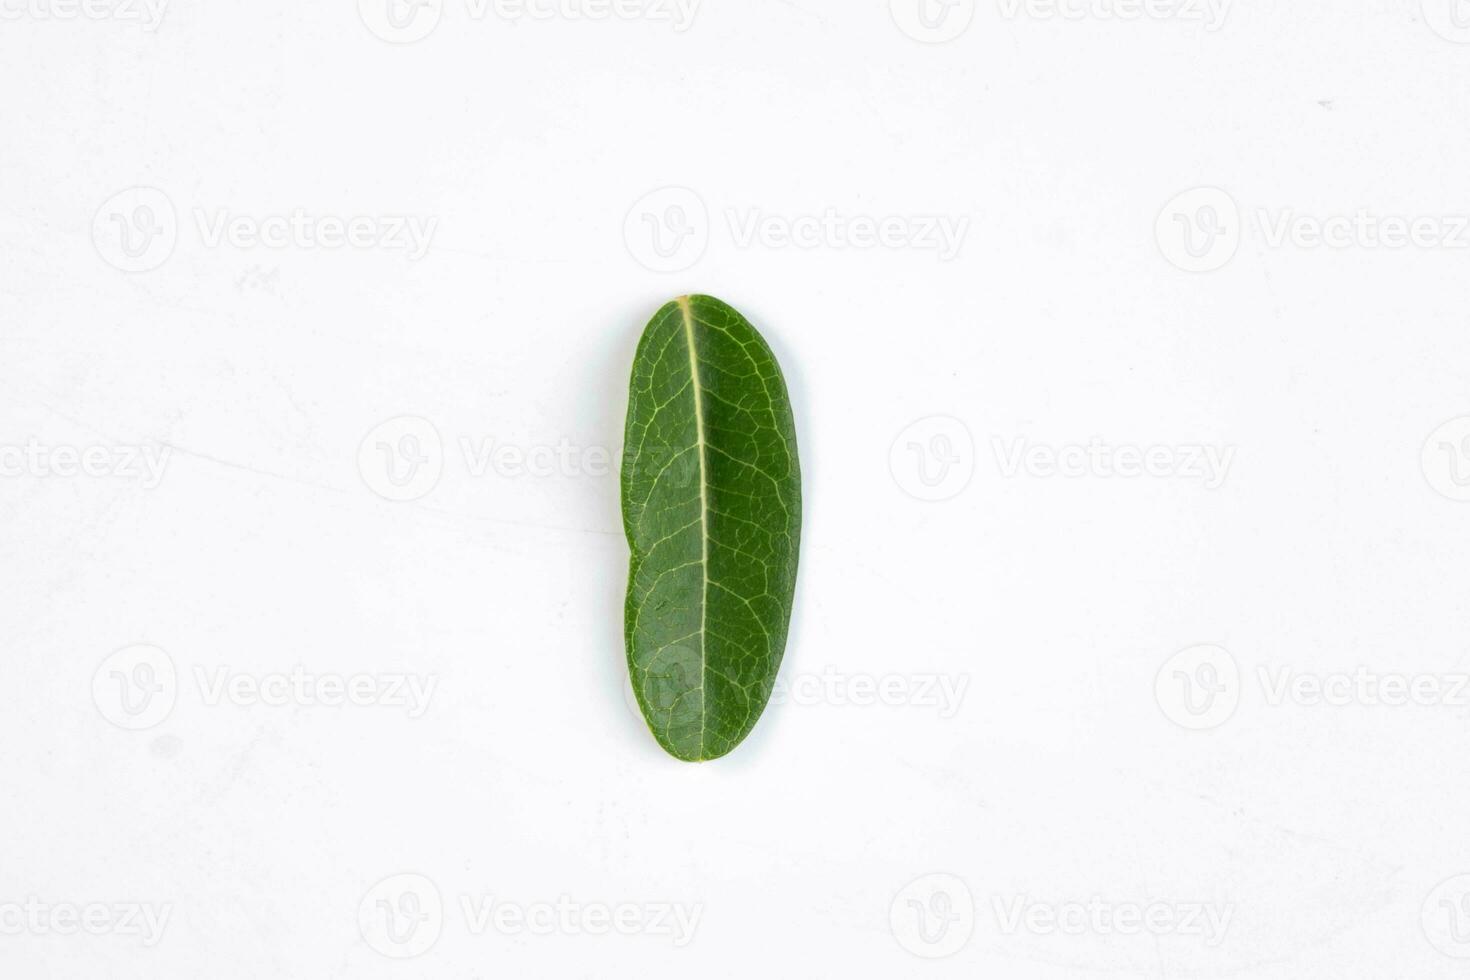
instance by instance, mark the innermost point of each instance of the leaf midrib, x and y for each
(686, 310)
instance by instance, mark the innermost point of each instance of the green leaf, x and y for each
(712, 509)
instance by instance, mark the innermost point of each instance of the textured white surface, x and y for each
(1062, 614)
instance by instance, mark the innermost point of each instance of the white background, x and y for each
(1066, 774)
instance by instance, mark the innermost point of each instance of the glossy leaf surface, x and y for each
(712, 508)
